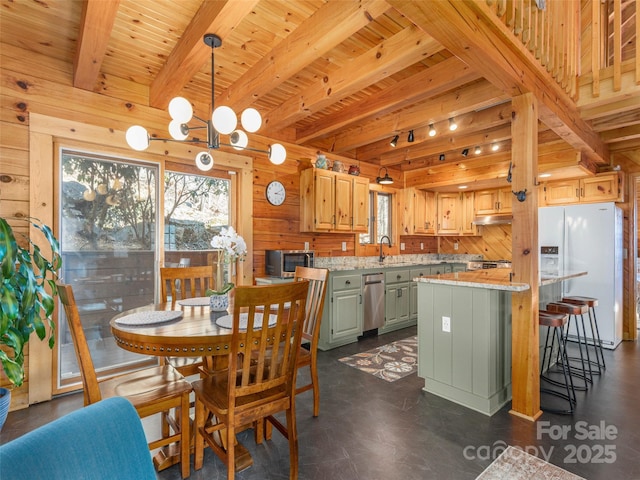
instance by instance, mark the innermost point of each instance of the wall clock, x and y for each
(276, 193)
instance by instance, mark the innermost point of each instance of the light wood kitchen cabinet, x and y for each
(600, 188)
(419, 212)
(333, 202)
(455, 214)
(493, 201)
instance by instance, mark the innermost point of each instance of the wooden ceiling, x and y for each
(343, 77)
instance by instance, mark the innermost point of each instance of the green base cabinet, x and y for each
(342, 314)
(471, 363)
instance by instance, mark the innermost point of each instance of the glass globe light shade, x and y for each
(251, 120)
(224, 120)
(180, 110)
(277, 154)
(175, 130)
(239, 139)
(204, 161)
(137, 137)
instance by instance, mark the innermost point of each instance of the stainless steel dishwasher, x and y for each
(373, 296)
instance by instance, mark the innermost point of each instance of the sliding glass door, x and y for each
(108, 235)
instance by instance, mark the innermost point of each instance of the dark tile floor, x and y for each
(369, 429)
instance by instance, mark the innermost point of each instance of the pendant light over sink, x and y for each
(223, 120)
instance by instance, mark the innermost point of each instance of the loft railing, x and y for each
(570, 38)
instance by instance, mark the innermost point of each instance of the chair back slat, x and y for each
(83, 355)
(179, 283)
(264, 354)
(317, 278)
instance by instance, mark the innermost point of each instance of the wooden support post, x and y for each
(525, 375)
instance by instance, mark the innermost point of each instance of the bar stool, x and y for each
(595, 332)
(573, 311)
(555, 323)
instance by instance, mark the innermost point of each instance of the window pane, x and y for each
(195, 209)
(108, 239)
(383, 221)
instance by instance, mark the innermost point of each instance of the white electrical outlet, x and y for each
(344, 246)
(401, 245)
(421, 246)
(306, 245)
(455, 245)
(446, 324)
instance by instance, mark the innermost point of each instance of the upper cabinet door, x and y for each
(360, 205)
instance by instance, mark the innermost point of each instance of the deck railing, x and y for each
(572, 38)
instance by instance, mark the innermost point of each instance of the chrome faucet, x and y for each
(381, 240)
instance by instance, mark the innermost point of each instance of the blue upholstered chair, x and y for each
(104, 441)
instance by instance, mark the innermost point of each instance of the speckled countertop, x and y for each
(356, 263)
(494, 279)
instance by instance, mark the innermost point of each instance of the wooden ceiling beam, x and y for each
(471, 31)
(460, 101)
(96, 25)
(327, 27)
(191, 53)
(386, 58)
(436, 80)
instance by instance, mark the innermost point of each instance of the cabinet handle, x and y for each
(348, 282)
(399, 293)
(577, 193)
(398, 277)
(582, 192)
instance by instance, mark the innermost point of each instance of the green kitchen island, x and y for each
(464, 335)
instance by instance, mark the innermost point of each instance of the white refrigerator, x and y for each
(589, 238)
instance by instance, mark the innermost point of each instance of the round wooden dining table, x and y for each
(193, 334)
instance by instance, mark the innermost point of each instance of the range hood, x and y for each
(497, 219)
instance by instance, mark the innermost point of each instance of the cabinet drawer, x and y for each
(419, 272)
(347, 282)
(440, 269)
(397, 276)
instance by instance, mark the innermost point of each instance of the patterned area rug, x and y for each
(516, 464)
(389, 362)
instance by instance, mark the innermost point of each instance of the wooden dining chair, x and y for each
(311, 330)
(178, 283)
(185, 282)
(151, 390)
(261, 374)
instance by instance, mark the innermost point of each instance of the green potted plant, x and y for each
(26, 304)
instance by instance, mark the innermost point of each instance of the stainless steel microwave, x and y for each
(283, 263)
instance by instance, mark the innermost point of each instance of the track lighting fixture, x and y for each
(465, 152)
(394, 142)
(495, 147)
(432, 130)
(386, 180)
(441, 158)
(410, 138)
(477, 150)
(452, 124)
(223, 120)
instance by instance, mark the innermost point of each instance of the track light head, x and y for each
(477, 150)
(410, 138)
(432, 130)
(495, 147)
(465, 152)
(452, 124)
(441, 158)
(394, 141)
